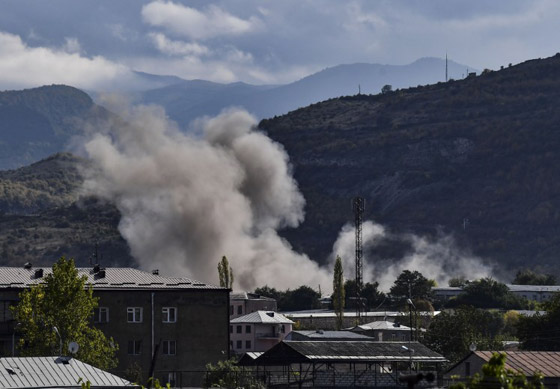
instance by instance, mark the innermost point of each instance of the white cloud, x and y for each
(195, 24)
(173, 47)
(72, 45)
(24, 66)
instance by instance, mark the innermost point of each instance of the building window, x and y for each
(238, 329)
(247, 344)
(101, 315)
(239, 309)
(169, 314)
(172, 379)
(134, 314)
(282, 329)
(134, 347)
(247, 329)
(239, 344)
(169, 347)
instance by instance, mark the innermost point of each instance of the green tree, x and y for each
(226, 374)
(59, 311)
(451, 333)
(299, 299)
(489, 293)
(267, 291)
(338, 293)
(412, 285)
(225, 273)
(495, 375)
(528, 277)
(370, 292)
(386, 88)
(540, 332)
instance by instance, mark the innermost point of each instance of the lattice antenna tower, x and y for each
(358, 206)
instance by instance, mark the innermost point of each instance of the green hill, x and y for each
(478, 158)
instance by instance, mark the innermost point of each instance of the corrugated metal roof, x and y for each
(54, 372)
(115, 278)
(288, 352)
(527, 362)
(332, 335)
(383, 325)
(248, 296)
(533, 288)
(265, 317)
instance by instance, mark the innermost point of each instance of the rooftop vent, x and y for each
(101, 273)
(271, 314)
(27, 265)
(96, 268)
(320, 331)
(155, 272)
(38, 273)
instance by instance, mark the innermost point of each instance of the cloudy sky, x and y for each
(94, 44)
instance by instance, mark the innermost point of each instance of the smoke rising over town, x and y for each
(187, 201)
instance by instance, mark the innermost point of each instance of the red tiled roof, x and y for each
(527, 362)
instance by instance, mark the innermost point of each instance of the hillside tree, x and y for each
(59, 311)
(413, 285)
(225, 272)
(338, 293)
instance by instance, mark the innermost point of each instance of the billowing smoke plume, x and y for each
(439, 259)
(187, 201)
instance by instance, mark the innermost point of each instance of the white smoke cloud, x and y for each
(439, 259)
(185, 201)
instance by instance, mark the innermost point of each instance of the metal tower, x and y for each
(358, 205)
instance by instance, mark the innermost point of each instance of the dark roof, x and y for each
(54, 372)
(114, 278)
(248, 296)
(288, 352)
(328, 335)
(527, 362)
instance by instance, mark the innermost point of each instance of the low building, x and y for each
(258, 331)
(525, 362)
(384, 331)
(320, 335)
(243, 303)
(537, 293)
(180, 323)
(55, 372)
(343, 363)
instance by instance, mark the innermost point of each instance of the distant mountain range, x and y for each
(187, 100)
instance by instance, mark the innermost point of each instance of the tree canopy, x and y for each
(225, 272)
(58, 312)
(412, 284)
(529, 277)
(338, 293)
(540, 332)
(370, 292)
(489, 293)
(301, 298)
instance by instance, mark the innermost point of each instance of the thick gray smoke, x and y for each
(438, 259)
(187, 201)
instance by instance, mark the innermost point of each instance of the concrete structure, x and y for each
(526, 362)
(258, 331)
(243, 303)
(55, 372)
(186, 321)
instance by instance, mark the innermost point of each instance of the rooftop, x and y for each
(264, 317)
(248, 296)
(101, 278)
(527, 362)
(54, 372)
(382, 325)
(331, 335)
(347, 351)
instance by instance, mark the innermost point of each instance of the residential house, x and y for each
(180, 323)
(526, 362)
(258, 331)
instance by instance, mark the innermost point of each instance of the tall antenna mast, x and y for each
(358, 206)
(446, 67)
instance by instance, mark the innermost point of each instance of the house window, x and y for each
(172, 379)
(238, 344)
(247, 329)
(247, 344)
(101, 315)
(169, 347)
(169, 314)
(393, 336)
(134, 314)
(238, 329)
(134, 347)
(239, 309)
(282, 329)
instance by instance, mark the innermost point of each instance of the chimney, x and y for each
(101, 273)
(96, 268)
(155, 272)
(38, 273)
(27, 265)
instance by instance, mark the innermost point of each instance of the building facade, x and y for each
(178, 324)
(243, 303)
(258, 331)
